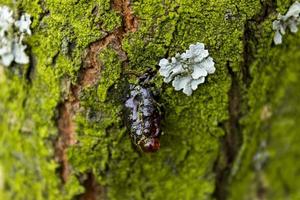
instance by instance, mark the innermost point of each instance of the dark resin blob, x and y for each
(143, 118)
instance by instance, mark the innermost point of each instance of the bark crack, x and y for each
(93, 191)
(232, 141)
(88, 76)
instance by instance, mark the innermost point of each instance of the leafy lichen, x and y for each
(192, 133)
(11, 47)
(290, 20)
(189, 69)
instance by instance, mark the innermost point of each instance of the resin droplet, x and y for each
(151, 145)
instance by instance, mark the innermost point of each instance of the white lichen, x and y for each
(261, 156)
(290, 20)
(6, 20)
(12, 33)
(189, 69)
(24, 24)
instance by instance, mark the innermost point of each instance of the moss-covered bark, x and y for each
(62, 134)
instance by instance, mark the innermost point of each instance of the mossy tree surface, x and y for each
(234, 138)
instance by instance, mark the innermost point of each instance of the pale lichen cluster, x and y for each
(189, 69)
(12, 33)
(290, 20)
(193, 124)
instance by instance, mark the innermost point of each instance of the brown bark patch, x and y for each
(130, 22)
(66, 138)
(93, 190)
(92, 66)
(88, 76)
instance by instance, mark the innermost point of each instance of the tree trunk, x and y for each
(62, 117)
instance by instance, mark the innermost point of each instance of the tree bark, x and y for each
(63, 134)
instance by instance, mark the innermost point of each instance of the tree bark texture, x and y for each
(62, 130)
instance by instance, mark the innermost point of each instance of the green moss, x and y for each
(190, 144)
(110, 72)
(278, 88)
(61, 33)
(274, 85)
(25, 150)
(184, 167)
